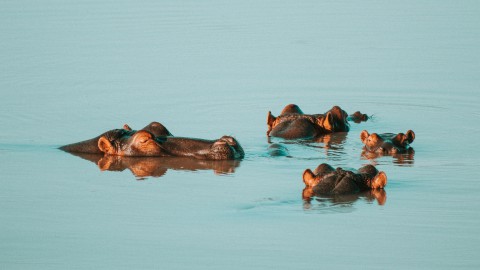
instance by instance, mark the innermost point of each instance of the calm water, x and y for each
(71, 71)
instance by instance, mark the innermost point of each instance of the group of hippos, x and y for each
(155, 140)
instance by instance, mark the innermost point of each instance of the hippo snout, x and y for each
(227, 147)
(229, 140)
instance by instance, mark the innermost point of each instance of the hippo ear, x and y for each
(127, 127)
(309, 178)
(328, 122)
(270, 118)
(410, 136)
(105, 146)
(379, 181)
(363, 136)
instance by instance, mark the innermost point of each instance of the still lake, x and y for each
(72, 70)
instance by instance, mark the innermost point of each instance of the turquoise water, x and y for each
(71, 71)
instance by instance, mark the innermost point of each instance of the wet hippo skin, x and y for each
(292, 123)
(156, 140)
(326, 180)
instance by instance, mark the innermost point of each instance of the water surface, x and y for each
(71, 71)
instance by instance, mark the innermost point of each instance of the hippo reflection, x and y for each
(332, 144)
(155, 140)
(292, 123)
(403, 158)
(313, 201)
(158, 166)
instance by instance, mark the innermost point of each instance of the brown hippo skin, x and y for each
(325, 180)
(154, 141)
(292, 123)
(387, 143)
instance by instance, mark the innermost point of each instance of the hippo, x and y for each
(325, 180)
(358, 117)
(143, 167)
(278, 150)
(387, 143)
(292, 123)
(156, 140)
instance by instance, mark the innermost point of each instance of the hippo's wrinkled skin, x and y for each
(387, 143)
(156, 140)
(292, 123)
(325, 180)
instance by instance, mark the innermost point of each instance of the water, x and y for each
(71, 71)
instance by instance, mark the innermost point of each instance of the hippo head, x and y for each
(131, 143)
(358, 117)
(368, 176)
(293, 124)
(387, 142)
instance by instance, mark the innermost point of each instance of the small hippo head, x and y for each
(226, 147)
(389, 143)
(358, 117)
(327, 179)
(139, 143)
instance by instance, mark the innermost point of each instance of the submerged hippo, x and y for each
(387, 143)
(292, 123)
(156, 140)
(325, 180)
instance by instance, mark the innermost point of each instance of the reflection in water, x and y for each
(405, 159)
(333, 141)
(158, 166)
(312, 201)
(333, 145)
